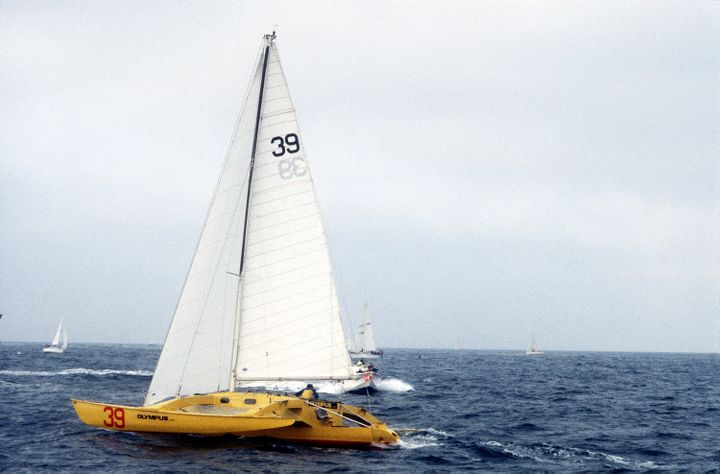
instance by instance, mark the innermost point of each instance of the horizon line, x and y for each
(451, 349)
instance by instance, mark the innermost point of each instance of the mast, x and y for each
(268, 42)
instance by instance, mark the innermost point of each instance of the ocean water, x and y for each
(468, 411)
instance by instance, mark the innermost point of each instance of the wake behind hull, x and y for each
(245, 414)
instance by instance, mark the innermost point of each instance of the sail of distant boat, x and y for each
(364, 344)
(59, 342)
(533, 349)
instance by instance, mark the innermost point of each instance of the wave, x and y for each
(420, 438)
(546, 452)
(418, 442)
(76, 371)
(393, 385)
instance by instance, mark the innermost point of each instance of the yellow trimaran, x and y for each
(259, 302)
(246, 414)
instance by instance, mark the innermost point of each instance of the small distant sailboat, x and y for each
(364, 344)
(56, 345)
(533, 349)
(259, 302)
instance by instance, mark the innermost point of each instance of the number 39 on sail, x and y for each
(259, 302)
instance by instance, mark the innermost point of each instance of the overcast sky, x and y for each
(486, 169)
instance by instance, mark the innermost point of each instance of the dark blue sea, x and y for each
(469, 411)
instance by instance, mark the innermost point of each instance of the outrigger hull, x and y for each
(246, 414)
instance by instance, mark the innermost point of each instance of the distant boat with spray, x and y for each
(59, 342)
(533, 349)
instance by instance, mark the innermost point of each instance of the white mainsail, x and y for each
(290, 325)
(279, 318)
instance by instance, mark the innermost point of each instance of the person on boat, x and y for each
(363, 368)
(308, 393)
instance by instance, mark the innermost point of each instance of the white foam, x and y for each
(613, 458)
(76, 371)
(548, 453)
(517, 451)
(627, 462)
(140, 373)
(438, 432)
(393, 385)
(420, 438)
(418, 441)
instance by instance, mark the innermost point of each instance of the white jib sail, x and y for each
(286, 322)
(196, 356)
(290, 325)
(367, 338)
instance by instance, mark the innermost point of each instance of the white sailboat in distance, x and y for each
(533, 349)
(59, 342)
(364, 343)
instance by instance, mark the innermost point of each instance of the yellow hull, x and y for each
(245, 414)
